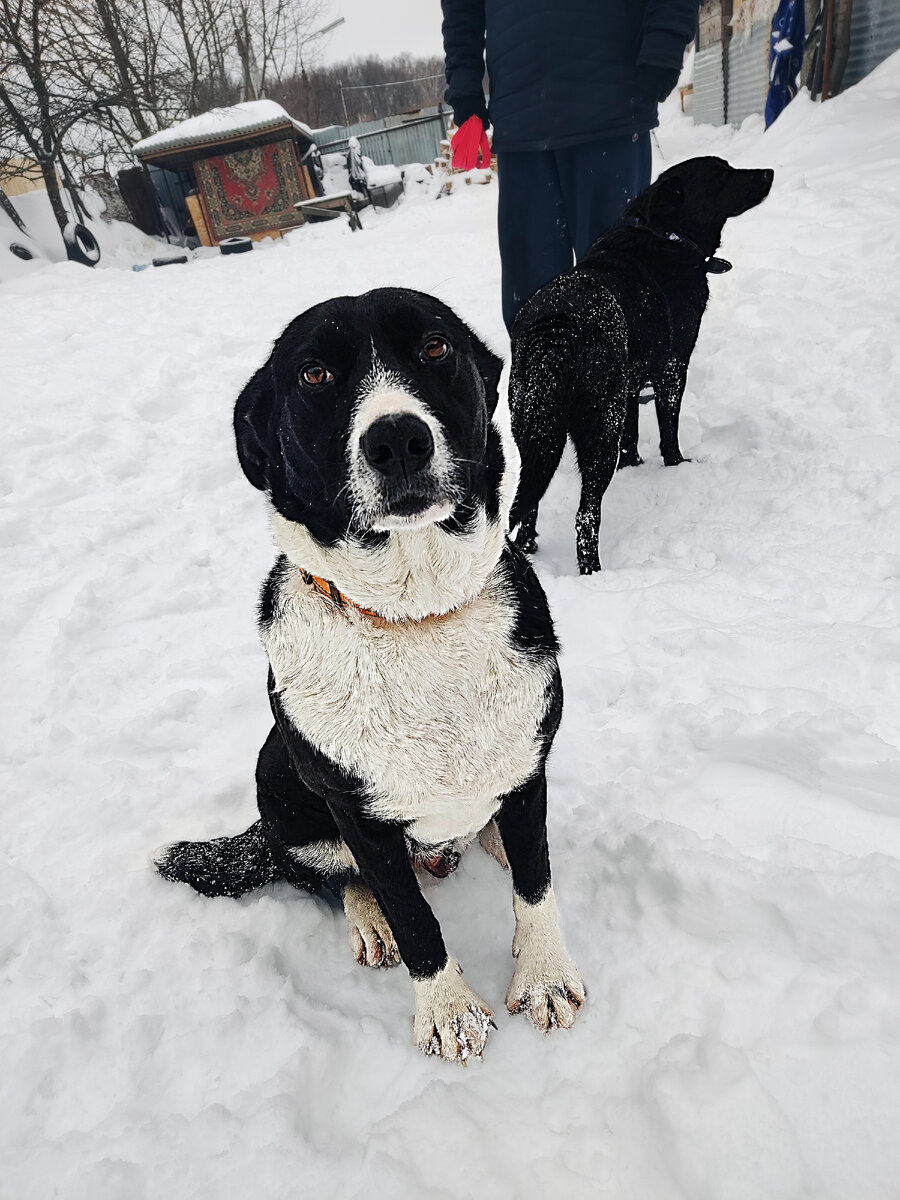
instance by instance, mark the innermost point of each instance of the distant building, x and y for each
(21, 175)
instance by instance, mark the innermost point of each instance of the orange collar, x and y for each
(326, 588)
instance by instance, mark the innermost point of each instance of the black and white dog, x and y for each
(413, 675)
(627, 315)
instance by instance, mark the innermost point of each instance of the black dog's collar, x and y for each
(713, 266)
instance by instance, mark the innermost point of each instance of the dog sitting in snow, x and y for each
(413, 675)
(627, 315)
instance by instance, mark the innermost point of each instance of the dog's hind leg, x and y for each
(492, 844)
(296, 839)
(540, 444)
(628, 451)
(539, 429)
(371, 940)
(669, 391)
(597, 463)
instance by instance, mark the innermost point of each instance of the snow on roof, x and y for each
(252, 116)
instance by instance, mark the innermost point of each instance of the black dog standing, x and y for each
(413, 675)
(627, 315)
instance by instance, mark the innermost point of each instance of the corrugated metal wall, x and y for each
(392, 140)
(748, 72)
(874, 34)
(709, 86)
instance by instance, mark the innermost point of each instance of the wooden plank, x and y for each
(710, 26)
(195, 208)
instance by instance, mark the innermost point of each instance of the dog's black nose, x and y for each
(398, 445)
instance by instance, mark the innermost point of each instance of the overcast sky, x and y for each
(382, 27)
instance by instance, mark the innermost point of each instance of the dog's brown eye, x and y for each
(315, 374)
(435, 348)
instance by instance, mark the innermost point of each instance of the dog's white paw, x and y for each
(551, 992)
(451, 1020)
(546, 984)
(371, 939)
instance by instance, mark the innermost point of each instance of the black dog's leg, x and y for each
(451, 1020)
(596, 472)
(306, 845)
(545, 984)
(526, 534)
(303, 838)
(669, 392)
(628, 451)
(538, 425)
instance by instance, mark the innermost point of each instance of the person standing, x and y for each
(574, 89)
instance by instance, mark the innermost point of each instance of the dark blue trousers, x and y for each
(555, 203)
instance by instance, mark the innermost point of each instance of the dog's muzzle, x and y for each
(407, 477)
(398, 447)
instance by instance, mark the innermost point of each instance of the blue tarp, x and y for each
(785, 56)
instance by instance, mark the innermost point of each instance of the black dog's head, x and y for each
(372, 422)
(696, 197)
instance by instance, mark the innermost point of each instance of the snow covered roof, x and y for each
(220, 124)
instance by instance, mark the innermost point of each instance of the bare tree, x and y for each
(82, 80)
(40, 99)
(363, 89)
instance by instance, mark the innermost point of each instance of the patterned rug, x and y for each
(251, 190)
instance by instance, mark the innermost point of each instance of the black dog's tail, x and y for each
(226, 866)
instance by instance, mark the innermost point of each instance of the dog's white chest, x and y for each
(438, 718)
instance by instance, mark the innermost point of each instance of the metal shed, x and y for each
(731, 67)
(391, 141)
(874, 35)
(748, 59)
(713, 35)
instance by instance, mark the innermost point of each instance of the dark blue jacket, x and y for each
(561, 72)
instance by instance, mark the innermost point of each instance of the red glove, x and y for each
(468, 142)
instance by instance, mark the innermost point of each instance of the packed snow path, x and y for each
(724, 793)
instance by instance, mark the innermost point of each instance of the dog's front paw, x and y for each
(451, 1020)
(371, 939)
(549, 989)
(546, 983)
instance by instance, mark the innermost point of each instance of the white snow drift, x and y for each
(724, 793)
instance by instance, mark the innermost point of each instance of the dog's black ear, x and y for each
(658, 205)
(490, 368)
(253, 417)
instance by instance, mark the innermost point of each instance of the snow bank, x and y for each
(121, 245)
(724, 813)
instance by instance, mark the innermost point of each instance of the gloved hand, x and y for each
(655, 83)
(468, 142)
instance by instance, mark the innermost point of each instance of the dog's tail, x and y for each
(226, 866)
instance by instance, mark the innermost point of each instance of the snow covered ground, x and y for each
(121, 245)
(725, 789)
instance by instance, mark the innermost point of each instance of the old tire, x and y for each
(81, 245)
(235, 245)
